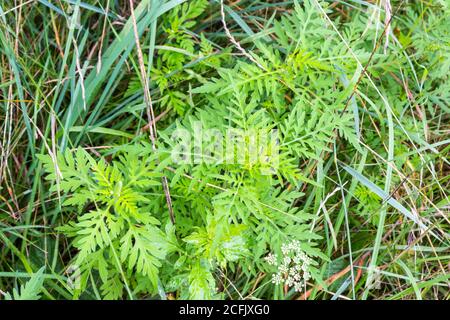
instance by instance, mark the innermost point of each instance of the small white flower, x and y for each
(307, 276)
(295, 245)
(283, 268)
(298, 287)
(290, 281)
(271, 259)
(293, 270)
(277, 279)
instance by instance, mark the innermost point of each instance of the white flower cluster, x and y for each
(294, 267)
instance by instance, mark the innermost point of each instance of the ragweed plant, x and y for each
(115, 235)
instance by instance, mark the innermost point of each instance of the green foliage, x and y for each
(31, 290)
(297, 133)
(181, 58)
(120, 233)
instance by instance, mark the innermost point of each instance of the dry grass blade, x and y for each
(150, 112)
